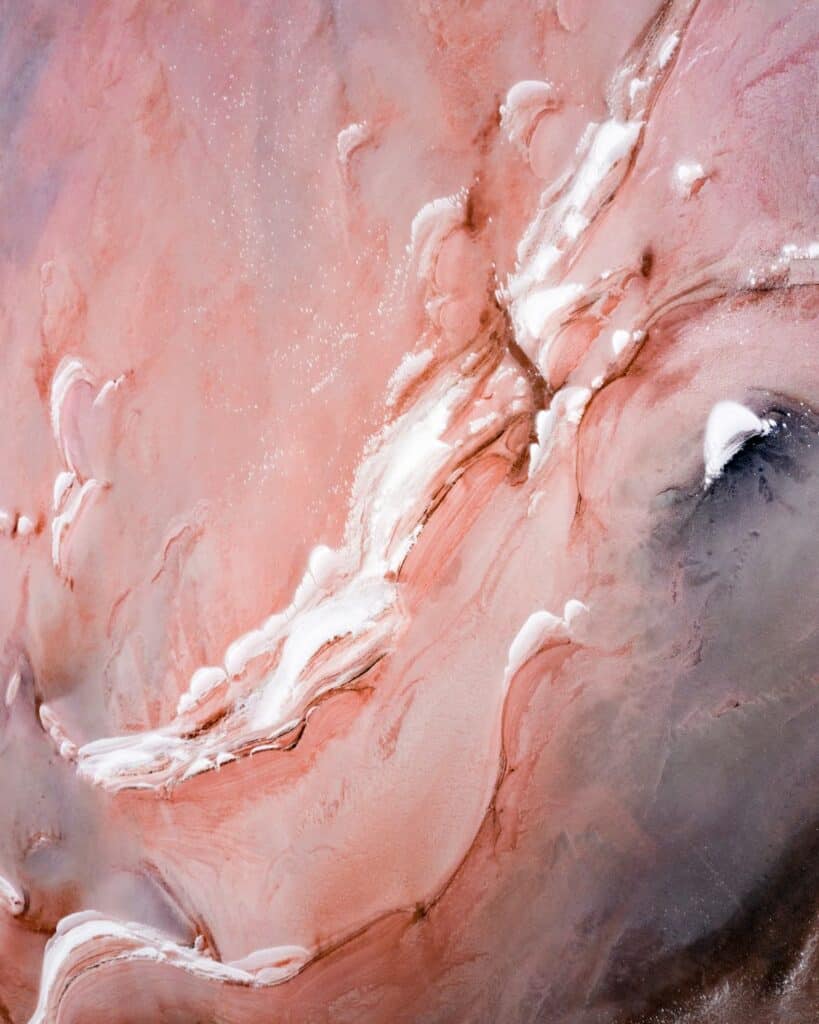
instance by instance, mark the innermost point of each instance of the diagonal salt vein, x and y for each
(403, 460)
(345, 595)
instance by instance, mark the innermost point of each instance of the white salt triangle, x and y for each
(729, 426)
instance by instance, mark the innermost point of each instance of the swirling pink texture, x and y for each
(408, 504)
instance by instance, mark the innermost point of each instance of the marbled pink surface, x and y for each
(408, 487)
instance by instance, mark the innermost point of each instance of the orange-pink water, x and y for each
(408, 491)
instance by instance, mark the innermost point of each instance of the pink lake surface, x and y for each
(408, 490)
